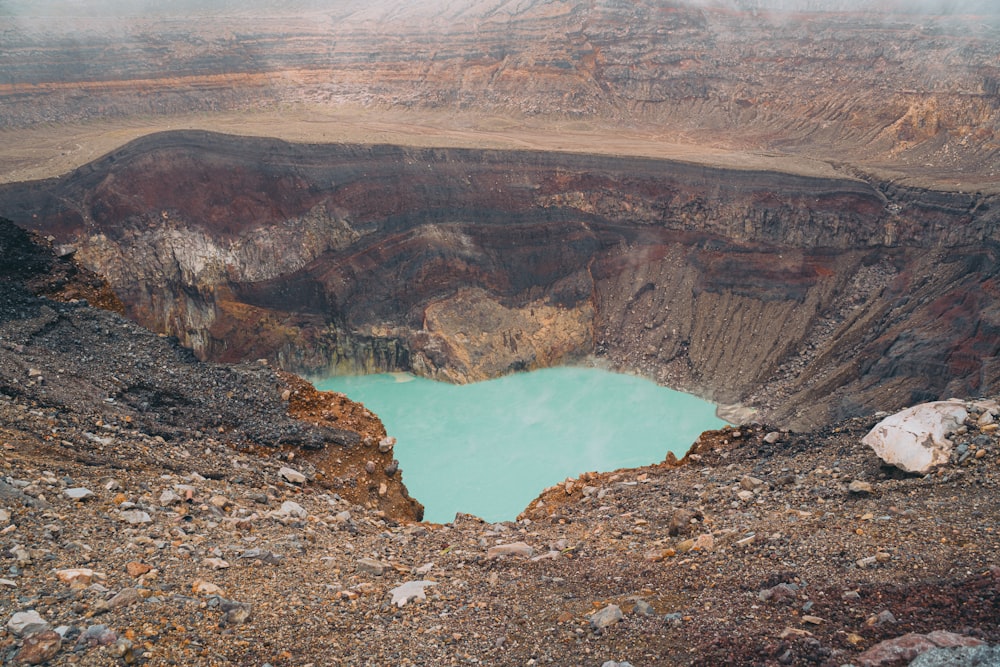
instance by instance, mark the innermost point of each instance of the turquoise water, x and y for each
(490, 448)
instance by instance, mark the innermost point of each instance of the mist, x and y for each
(187, 8)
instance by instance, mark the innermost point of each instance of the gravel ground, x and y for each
(196, 543)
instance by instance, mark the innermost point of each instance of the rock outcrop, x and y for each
(916, 439)
(125, 392)
(839, 295)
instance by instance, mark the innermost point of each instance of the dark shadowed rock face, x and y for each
(838, 295)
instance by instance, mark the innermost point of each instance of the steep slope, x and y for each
(122, 392)
(838, 295)
(749, 552)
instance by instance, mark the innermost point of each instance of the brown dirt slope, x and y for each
(191, 549)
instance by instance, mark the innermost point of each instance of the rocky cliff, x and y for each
(913, 88)
(123, 393)
(839, 295)
(145, 520)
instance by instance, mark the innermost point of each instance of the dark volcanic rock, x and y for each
(118, 381)
(839, 295)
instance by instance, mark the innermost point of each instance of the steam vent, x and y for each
(789, 208)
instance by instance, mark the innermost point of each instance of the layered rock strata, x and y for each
(910, 86)
(839, 295)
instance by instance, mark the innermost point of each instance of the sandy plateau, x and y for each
(37, 153)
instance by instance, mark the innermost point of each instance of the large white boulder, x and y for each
(915, 439)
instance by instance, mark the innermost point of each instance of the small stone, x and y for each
(234, 613)
(885, 617)
(26, 623)
(168, 498)
(606, 617)
(681, 521)
(291, 509)
(411, 590)
(263, 556)
(778, 593)
(772, 437)
(136, 569)
(684, 546)
(794, 632)
(79, 576)
(122, 648)
(124, 598)
(655, 555)
(643, 608)
(857, 486)
(216, 563)
(812, 620)
(745, 496)
(39, 648)
(371, 566)
(750, 483)
(4, 517)
(96, 635)
(986, 418)
(8, 583)
(746, 541)
(220, 502)
(980, 453)
(136, 517)
(370, 467)
(78, 493)
(291, 475)
(391, 469)
(514, 549)
(286, 394)
(199, 587)
(386, 444)
(705, 542)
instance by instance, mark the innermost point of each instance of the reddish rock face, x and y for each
(774, 290)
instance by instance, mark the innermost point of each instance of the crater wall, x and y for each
(912, 87)
(805, 298)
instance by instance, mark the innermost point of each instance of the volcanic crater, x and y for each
(841, 295)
